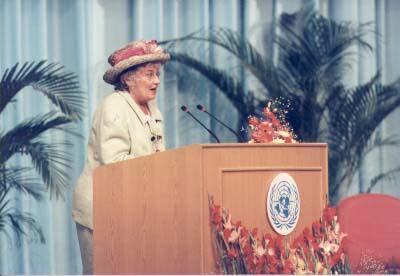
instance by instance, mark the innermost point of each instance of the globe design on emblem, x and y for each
(283, 204)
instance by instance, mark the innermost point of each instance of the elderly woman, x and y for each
(127, 124)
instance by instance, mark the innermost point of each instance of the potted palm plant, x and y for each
(50, 160)
(314, 54)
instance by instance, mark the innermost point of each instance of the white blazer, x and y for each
(120, 131)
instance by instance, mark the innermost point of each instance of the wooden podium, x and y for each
(151, 213)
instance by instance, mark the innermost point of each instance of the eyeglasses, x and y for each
(145, 75)
(151, 75)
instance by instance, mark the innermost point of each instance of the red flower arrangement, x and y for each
(319, 250)
(273, 128)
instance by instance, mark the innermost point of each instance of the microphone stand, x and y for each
(185, 109)
(202, 109)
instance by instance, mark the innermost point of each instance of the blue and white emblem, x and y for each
(283, 204)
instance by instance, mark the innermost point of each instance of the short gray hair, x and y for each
(120, 85)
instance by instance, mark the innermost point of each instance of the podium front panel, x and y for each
(151, 214)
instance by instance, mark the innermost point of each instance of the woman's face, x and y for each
(143, 82)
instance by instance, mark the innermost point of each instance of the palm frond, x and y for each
(315, 53)
(52, 163)
(379, 142)
(262, 68)
(357, 115)
(69, 130)
(389, 176)
(21, 223)
(20, 179)
(350, 111)
(4, 190)
(243, 100)
(354, 119)
(61, 88)
(15, 139)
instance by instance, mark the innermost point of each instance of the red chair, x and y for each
(372, 222)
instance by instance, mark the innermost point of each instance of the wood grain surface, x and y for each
(151, 213)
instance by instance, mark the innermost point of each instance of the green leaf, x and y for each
(233, 88)
(21, 180)
(389, 176)
(61, 88)
(22, 224)
(262, 68)
(17, 138)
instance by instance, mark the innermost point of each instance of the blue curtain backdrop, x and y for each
(80, 34)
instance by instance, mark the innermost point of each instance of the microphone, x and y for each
(185, 109)
(201, 108)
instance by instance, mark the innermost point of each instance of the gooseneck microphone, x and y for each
(202, 109)
(185, 109)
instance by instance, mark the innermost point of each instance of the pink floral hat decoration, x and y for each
(135, 53)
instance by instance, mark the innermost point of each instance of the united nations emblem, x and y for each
(283, 204)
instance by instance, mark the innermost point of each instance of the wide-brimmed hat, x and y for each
(135, 53)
